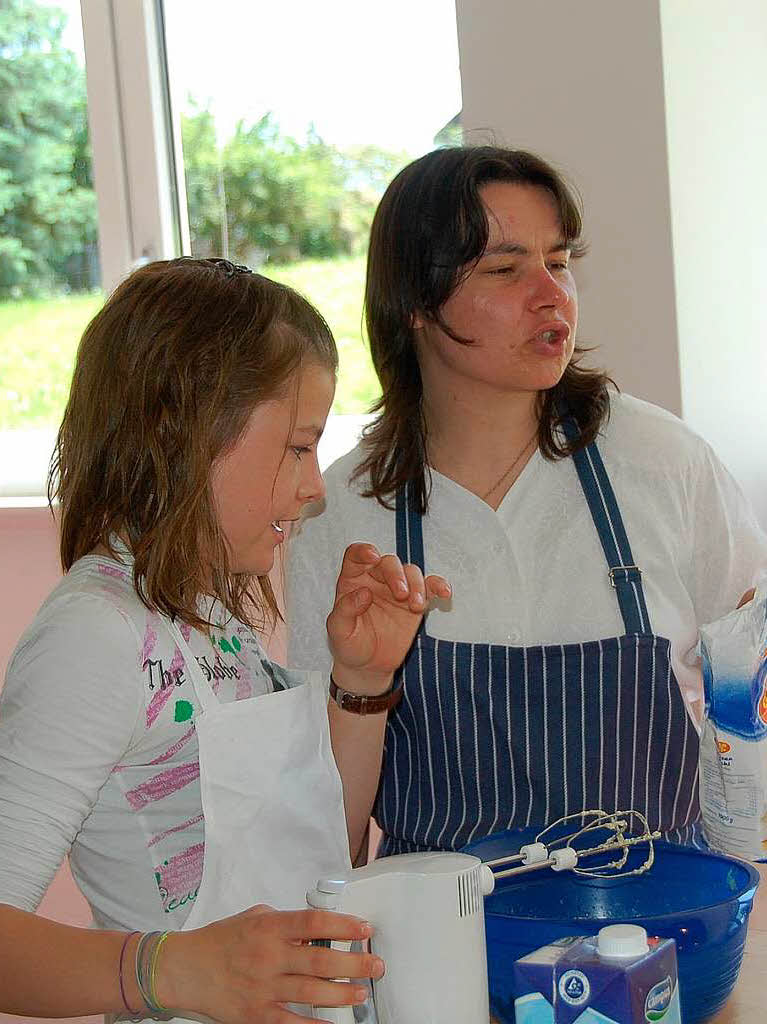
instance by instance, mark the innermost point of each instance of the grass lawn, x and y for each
(336, 288)
(38, 341)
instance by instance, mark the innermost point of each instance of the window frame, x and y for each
(139, 190)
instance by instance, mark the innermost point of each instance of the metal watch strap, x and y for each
(364, 704)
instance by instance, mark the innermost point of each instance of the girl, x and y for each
(143, 731)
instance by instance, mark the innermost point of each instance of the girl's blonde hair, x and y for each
(166, 377)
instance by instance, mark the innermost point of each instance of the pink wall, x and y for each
(29, 567)
(29, 564)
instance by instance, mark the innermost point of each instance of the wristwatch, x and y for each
(366, 704)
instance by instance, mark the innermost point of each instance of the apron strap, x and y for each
(409, 535)
(624, 574)
(408, 529)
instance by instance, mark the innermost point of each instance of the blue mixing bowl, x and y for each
(700, 899)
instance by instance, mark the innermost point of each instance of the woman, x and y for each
(586, 533)
(143, 731)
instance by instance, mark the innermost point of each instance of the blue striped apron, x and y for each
(489, 737)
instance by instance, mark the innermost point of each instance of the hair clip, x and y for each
(229, 268)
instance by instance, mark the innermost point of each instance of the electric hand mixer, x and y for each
(428, 914)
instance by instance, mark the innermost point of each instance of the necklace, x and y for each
(509, 468)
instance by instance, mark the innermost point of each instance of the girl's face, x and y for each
(518, 305)
(272, 470)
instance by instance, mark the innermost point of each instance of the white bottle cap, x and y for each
(622, 941)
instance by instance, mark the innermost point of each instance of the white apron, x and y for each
(272, 798)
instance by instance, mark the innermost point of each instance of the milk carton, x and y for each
(616, 977)
(733, 744)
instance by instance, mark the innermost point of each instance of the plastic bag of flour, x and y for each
(733, 744)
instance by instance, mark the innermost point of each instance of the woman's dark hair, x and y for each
(429, 229)
(166, 377)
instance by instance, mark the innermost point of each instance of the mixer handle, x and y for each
(327, 900)
(334, 1014)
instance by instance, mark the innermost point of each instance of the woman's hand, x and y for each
(379, 605)
(244, 968)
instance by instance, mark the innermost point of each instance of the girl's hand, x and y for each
(244, 968)
(379, 605)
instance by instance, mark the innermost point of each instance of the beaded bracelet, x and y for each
(126, 940)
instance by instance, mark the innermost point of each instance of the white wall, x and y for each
(716, 89)
(657, 109)
(582, 84)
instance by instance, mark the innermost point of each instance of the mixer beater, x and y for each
(560, 850)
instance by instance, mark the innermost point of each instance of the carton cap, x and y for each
(622, 941)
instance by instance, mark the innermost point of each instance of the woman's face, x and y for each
(518, 305)
(272, 471)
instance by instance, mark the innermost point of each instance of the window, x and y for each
(49, 262)
(270, 140)
(293, 119)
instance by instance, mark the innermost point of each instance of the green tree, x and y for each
(202, 167)
(283, 198)
(367, 171)
(48, 220)
(267, 195)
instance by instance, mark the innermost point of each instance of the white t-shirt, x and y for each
(98, 751)
(533, 572)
